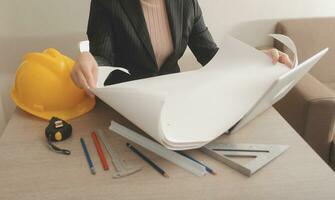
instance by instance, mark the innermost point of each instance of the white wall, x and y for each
(251, 20)
(61, 17)
(33, 25)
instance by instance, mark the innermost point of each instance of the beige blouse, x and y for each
(158, 27)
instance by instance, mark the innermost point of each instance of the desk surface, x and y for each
(28, 170)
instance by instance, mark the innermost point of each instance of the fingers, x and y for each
(278, 56)
(285, 59)
(80, 81)
(95, 75)
(274, 53)
(74, 78)
(87, 72)
(84, 84)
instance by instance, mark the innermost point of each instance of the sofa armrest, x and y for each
(310, 109)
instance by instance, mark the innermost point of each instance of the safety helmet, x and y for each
(44, 88)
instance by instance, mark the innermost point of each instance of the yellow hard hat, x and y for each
(44, 88)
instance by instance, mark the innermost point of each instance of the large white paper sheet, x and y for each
(190, 109)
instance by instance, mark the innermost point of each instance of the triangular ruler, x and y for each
(263, 154)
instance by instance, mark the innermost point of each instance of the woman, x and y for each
(147, 37)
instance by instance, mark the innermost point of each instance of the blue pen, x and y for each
(87, 155)
(209, 170)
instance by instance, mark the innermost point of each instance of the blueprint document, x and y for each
(187, 110)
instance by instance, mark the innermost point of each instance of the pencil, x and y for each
(87, 155)
(209, 170)
(100, 152)
(146, 159)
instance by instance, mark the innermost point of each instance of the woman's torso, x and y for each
(130, 42)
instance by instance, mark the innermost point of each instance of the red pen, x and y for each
(100, 152)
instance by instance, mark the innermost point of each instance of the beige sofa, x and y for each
(310, 106)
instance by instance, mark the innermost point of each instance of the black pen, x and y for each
(152, 164)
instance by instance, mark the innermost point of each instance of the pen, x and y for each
(151, 163)
(87, 155)
(209, 170)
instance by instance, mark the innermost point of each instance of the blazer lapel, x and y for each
(174, 10)
(133, 9)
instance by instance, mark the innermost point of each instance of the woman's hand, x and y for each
(85, 72)
(278, 56)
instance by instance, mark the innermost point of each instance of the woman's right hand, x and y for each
(85, 72)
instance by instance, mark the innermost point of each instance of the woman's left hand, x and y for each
(278, 56)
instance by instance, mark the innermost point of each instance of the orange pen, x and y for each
(100, 152)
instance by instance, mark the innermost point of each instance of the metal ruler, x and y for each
(262, 153)
(121, 168)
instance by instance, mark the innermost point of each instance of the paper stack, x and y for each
(190, 109)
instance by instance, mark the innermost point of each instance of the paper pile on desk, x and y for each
(190, 109)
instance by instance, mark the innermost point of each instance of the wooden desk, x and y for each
(28, 170)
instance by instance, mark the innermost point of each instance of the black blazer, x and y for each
(118, 36)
